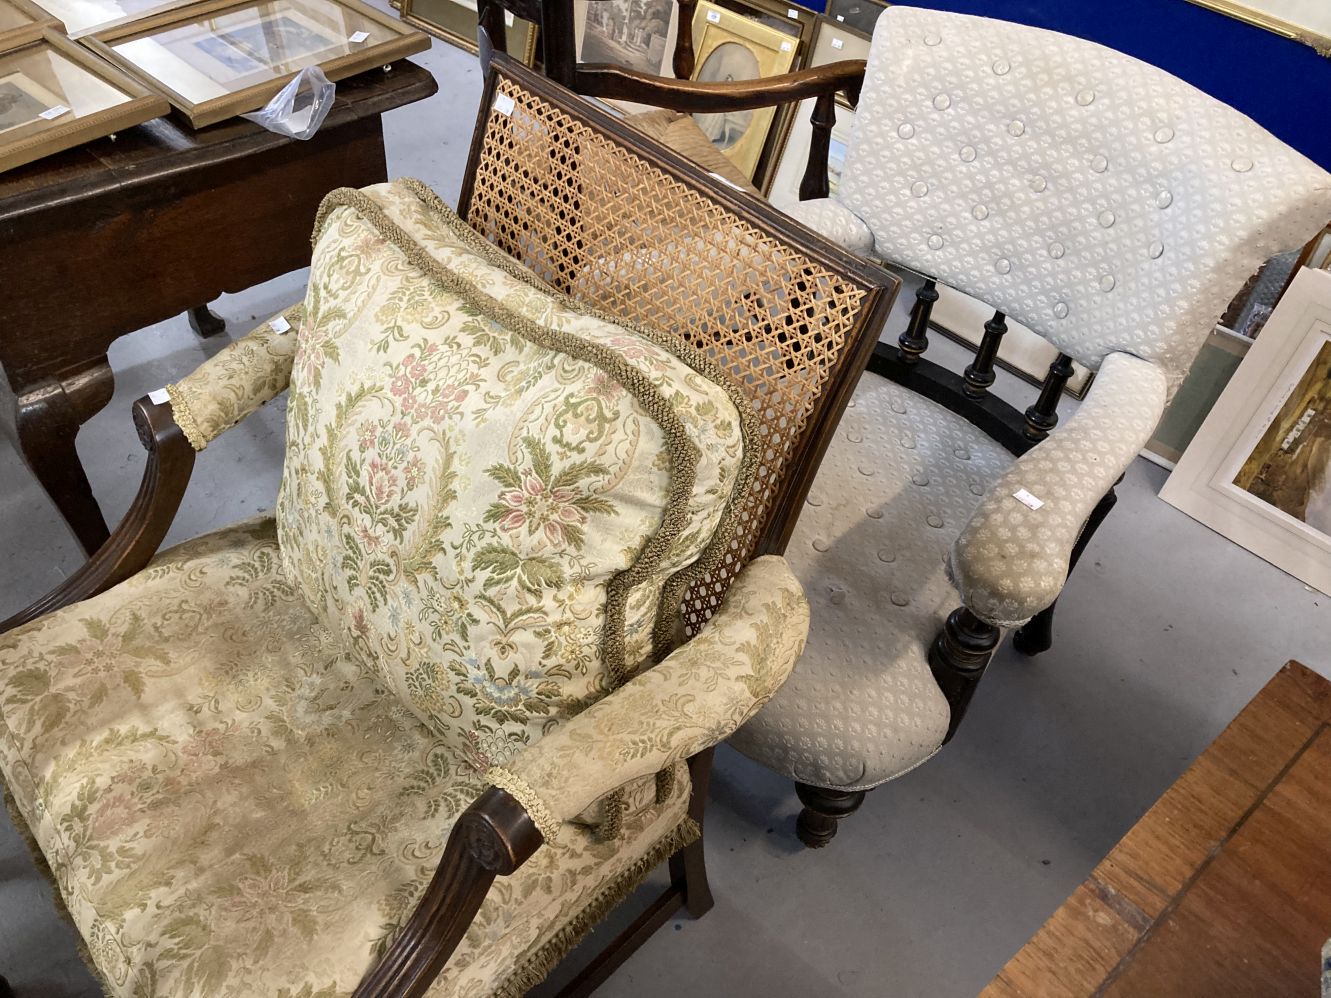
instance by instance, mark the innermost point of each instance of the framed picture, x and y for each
(456, 22)
(22, 21)
(83, 17)
(221, 58)
(729, 46)
(54, 95)
(1023, 352)
(858, 15)
(1306, 21)
(1259, 470)
(636, 34)
(832, 43)
(1211, 370)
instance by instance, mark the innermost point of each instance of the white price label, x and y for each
(838, 43)
(359, 37)
(792, 13)
(785, 46)
(54, 112)
(1026, 499)
(504, 104)
(159, 397)
(840, 17)
(714, 16)
(280, 324)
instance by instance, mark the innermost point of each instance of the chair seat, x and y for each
(230, 805)
(899, 481)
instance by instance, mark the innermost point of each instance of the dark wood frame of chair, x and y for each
(962, 650)
(495, 835)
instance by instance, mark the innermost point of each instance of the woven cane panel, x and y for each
(602, 224)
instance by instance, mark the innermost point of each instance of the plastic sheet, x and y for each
(299, 108)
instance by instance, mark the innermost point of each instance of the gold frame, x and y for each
(1270, 22)
(525, 49)
(115, 22)
(143, 106)
(41, 21)
(709, 34)
(252, 98)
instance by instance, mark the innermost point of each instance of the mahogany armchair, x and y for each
(682, 95)
(420, 730)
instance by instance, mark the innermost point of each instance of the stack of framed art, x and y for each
(136, 59)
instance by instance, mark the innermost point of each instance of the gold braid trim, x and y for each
(521, 791)
(534, 969)
(184, 417)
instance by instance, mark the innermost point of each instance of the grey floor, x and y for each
(1163, 635)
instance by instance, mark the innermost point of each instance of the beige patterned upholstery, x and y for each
(898, 483)
(1098, 200)
(242, 764)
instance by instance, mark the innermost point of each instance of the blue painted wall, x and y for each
(1283, 85)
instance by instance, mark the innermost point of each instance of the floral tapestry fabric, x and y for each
(226, 388)
(233, 806)
(694, 699)
(1010, 560)
(494, 498)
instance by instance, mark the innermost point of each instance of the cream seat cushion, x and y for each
(899, 481)
(232, 806)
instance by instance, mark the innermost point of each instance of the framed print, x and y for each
(218, 59)
(858, 15)
(729, 46)
(1306, 21)
(456, 22)
(82, 17)
(54, 95)
(1258, 472)
(1023, 352)
(1211, 370)
(636, 34)
(22, 21)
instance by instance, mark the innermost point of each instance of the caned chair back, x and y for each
(631, 229)
(1098, 200)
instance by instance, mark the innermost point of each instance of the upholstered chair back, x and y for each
(495, 499)
(1098, 200)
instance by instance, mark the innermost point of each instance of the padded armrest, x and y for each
(1010, 561)
(698, 696)
(830, 218)
(226, 388)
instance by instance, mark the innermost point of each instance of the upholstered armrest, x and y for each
(831, 218)
(226, 388)
(692, 700)
(1011, 561)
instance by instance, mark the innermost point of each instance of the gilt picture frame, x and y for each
(22, 21)
(1258, 472)
(80, 18)
(1305, 21)
(55, 95)
(457, 21)
(221, 58)
(731, 46)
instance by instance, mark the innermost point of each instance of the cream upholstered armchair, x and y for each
(407, 735)
(1114, 210)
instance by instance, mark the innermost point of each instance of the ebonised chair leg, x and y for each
(205, 323)
(5, 990)
(1037, 634)
(823, 808)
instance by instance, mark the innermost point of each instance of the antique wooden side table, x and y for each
(108, 238)
(1223, 887)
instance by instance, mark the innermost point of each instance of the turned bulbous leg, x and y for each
(823, 808)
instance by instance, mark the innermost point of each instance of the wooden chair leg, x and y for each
(5, 990)
(958, 658)
(688, 867)
(823, 808)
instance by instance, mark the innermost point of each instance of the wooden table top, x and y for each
(164, 146)
(1223, 887)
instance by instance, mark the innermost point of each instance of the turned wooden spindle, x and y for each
(958, 658)
(1043, 415)
(979, 374)
(915, 340)
(683, 60)
(815, 182)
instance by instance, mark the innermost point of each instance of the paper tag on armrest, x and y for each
(54, 112)
(504, 104)
(1026, 499)
(358, 37)
(280, 324)
(159, 397)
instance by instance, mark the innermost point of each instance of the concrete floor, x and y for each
(1163, 635)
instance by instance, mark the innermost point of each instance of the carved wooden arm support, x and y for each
(133, 543)
(491, 839)
(690, 96)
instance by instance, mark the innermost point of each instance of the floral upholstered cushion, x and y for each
(494, 498)
(232, 806)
